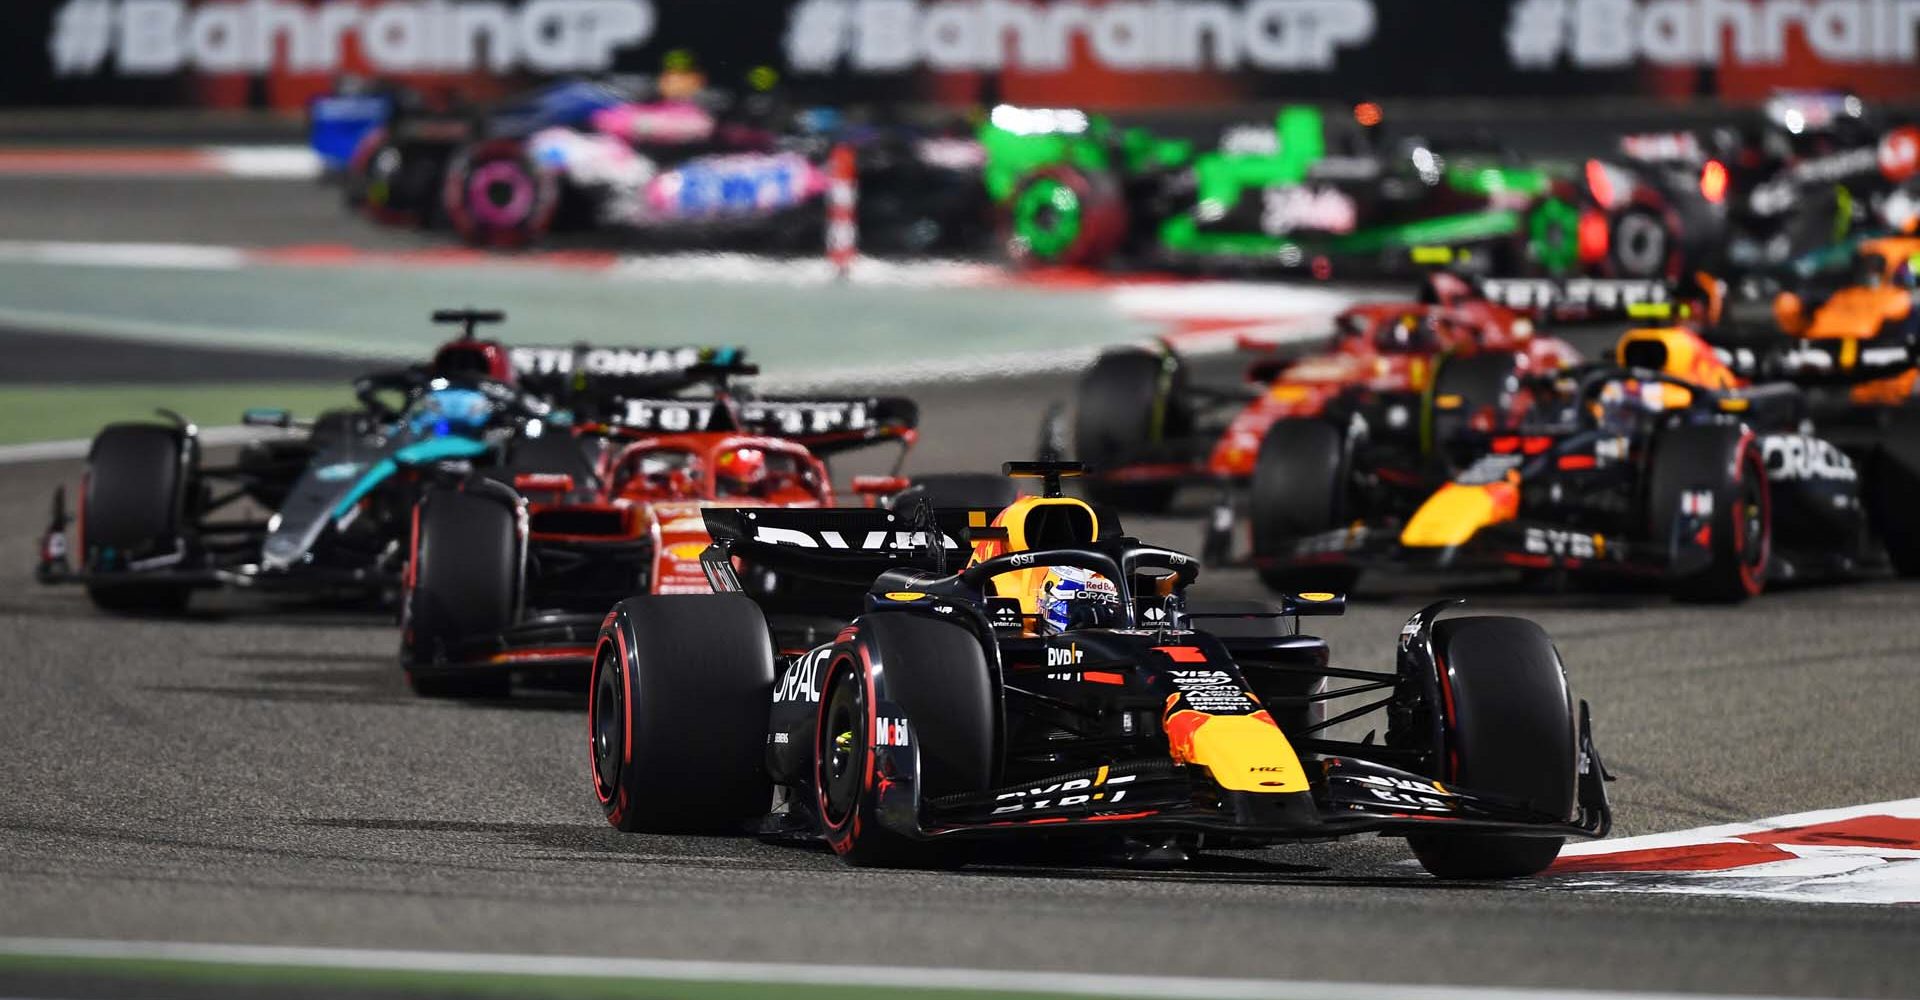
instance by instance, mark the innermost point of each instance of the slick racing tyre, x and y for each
(133, 507)
(677, 712)
(1641, 244)
(937, 675)
(1552, 237)
(1894, 482)
(1064, 217)
(1129, 404)
(379, 182)
(496, 196)
(1509, 731)
(1300, 488)
(1462, 388)
(1725, 464)
(463, 582)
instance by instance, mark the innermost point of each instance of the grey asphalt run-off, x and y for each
(258, 773)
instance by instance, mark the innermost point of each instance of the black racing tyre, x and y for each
(937, 674)
(463, 582)
(677, 709)
(1300, 488)
(1510, 731)
(1641, 244)
(1128, 405)
(977, 490)
(496, 196)
(1892, 484)
(1061, 216)
(1463, 387)
(134, 506)
(1724, 461)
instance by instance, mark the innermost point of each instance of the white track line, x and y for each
(867, 976)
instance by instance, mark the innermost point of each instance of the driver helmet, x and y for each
(741, 470)
(463, 412)
(484, 358)
(1070, 596)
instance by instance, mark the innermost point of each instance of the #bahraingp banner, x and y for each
(1100, 53)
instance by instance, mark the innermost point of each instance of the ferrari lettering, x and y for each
(806, 418)
(674, 418)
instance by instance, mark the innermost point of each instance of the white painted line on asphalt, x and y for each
(274, 163)
(862, 976)
(49, 451)
(175, 256)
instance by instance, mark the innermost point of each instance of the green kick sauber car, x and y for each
(1076, 190)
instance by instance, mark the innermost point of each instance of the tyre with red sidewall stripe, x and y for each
(677, 714)
(1508, 729)
(497, 196)
(1725, 462)
(935, 673)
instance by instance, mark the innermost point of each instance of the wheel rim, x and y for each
(842, 748)
(1047, 218)
(609, 725)
(501, 194)
(1553, 230)
(1640, 246)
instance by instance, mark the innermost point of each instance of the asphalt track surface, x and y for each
(257, 773)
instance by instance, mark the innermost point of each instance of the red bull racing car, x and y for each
(1665, 463)
(1031, 673)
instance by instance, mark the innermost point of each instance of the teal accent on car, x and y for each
(418, 453)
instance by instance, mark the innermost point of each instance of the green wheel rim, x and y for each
(1047, 217)
(1553, 231)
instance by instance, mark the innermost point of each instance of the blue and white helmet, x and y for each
(1066, 588)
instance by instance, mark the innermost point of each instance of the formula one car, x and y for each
(156, 521)
(1813, 169)
(1666, 464)
(325, 508)
(1416, 372)
(514, 571)
(580, 155)
(1075, 190)
(1062, 683)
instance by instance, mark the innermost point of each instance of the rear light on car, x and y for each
(1578, 462)
(1600, 182)
(1713, 181)
(1595, 235)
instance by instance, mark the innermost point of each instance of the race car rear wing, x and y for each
(1576, 298)
(825, 425)
(599, 376)
(851, 545)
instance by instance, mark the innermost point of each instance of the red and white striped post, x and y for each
(843, 194)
